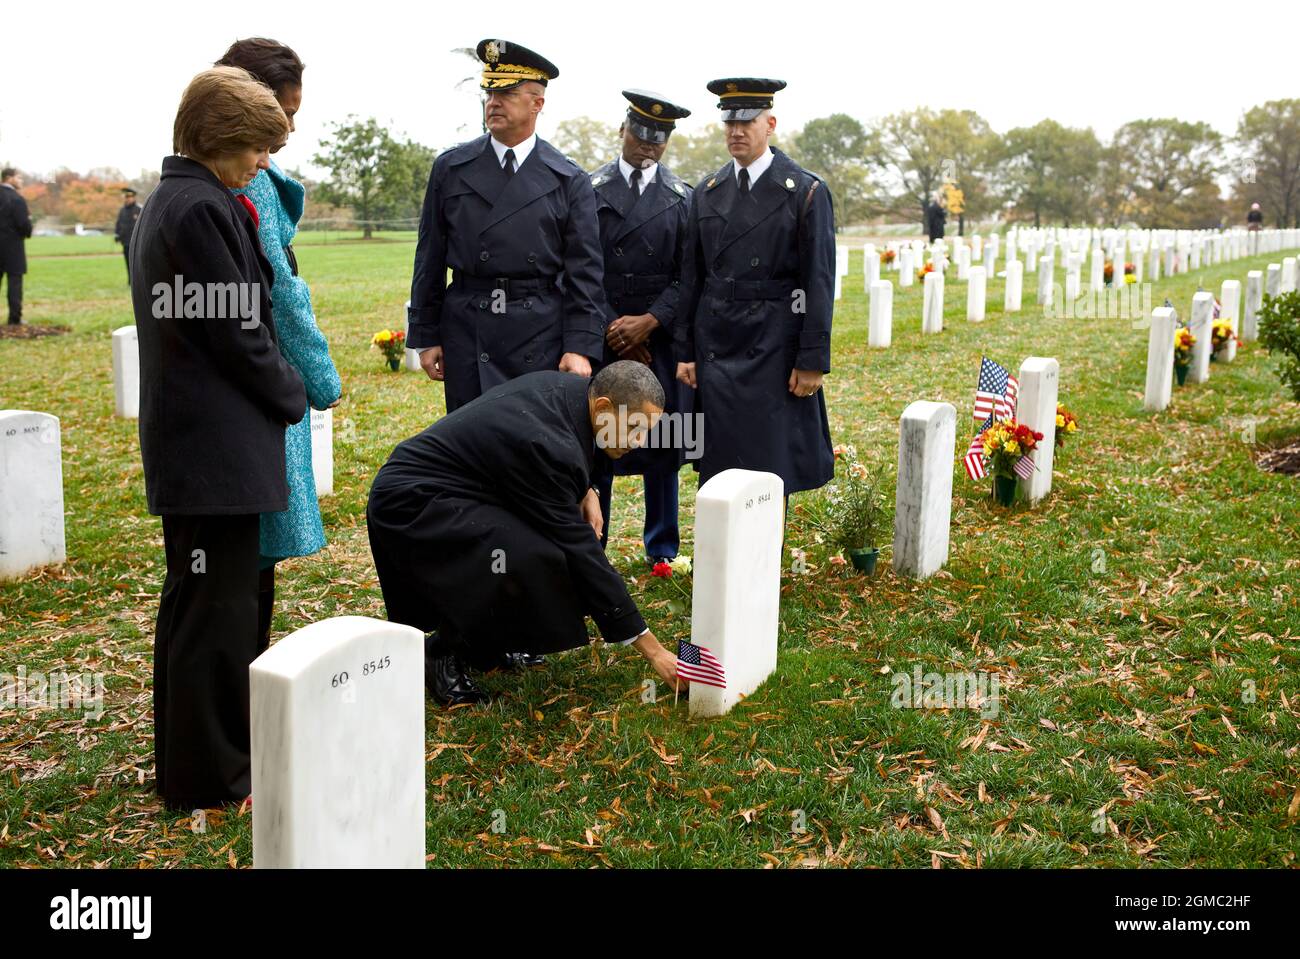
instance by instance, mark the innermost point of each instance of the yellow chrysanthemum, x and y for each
(1071, 428)
(1060, 420)
(1013, 447)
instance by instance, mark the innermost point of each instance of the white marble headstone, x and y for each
(739, 521)
(975, 293)
(338, 747)
(1201, 325)
(881, 317)
(906, 267)
(322, 451)
(927, 436)
(1254, 300)
(1036, 408)
(31, 493)
(932, 304)
(1014, 287)
(1160, 360)
(126, 373)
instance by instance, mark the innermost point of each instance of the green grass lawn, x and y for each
(1125, 617)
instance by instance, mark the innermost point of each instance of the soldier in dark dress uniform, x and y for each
(515, 221)
(126, 218)
(485, 530)
(643, 208)
(757, 295)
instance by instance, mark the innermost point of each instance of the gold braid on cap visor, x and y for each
(509, 73)
(651, 116)
(743, 93)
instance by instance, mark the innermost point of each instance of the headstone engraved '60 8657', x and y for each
(338, 747)
(739, 517)
(31, 492)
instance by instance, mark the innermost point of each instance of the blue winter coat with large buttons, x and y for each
(537, 232)
(644, 245)
(758, 290)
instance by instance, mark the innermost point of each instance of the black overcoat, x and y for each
(15, 228)
(644, 245)
(537, 231)
(759, 287)
(126, 220)
(476, 530)
(215, 398)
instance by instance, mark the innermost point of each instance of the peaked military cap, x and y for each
(743, 98)
(506, 65)
(651, 117)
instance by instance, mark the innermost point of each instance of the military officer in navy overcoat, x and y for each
(757, 295)
(643, 207)
(515, 222)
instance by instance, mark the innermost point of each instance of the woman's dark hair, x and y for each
(269, 61)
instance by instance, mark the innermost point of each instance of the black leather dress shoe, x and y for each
(447, 682)
(515, 661)
(506, 662)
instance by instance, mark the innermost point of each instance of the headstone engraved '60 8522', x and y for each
(338, 747)
(31, 492)
(126, 373)
(739, 518)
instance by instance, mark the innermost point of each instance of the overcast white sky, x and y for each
(102, 89)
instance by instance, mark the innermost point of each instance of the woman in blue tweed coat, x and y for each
(279, 199)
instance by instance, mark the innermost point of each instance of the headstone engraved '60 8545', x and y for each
(338, 747)
(126, 373)
(31, 492)
(739, 518)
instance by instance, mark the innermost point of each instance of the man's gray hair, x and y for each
(629, 384)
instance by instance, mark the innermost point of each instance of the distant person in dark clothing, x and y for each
(1255, 218)
(215, 398)
(15, 228)
(935, 217)
(126, 218)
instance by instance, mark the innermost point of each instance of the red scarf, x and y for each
(248, 205)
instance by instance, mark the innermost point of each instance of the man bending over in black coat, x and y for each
(485, 528)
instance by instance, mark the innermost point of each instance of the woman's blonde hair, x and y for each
(225, 111)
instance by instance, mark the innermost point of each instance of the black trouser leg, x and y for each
(126, 255)
(207, 634)
(14, 284)
(265, 606)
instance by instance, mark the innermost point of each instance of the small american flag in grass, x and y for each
(699, 665)
(995, 392)
(974, 459)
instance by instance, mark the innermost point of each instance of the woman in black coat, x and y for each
(215, 398)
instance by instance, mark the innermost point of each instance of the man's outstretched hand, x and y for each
(591, 512)
(664, 662)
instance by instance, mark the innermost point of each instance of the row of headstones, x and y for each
(880, 311)
(1280, 278)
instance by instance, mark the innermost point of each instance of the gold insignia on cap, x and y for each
(657, 109)
(731, 88)
(789, 183)
(491, 52)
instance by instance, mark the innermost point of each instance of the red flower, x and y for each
(662, 569)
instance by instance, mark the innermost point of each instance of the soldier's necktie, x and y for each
(634, 184)
(744, 182)
(509, 163)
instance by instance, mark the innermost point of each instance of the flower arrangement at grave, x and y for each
(1130, 273)
(1221, 334)
(928, 268)
(392, 343)
(887, 256)
(676, 574)
(1184, 340)
(854, 515)
(1006, 448)
(1066, 424)
(1108, 271)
